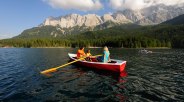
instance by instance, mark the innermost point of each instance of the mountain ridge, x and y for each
(75, 23)
(154, 14)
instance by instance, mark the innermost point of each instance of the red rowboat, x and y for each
(114, 65)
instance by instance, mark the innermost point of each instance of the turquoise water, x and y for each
(158, 76)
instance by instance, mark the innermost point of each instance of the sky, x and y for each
(18, 15)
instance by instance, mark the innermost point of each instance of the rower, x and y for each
(80, 52)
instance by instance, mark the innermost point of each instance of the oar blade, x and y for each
(49, 71)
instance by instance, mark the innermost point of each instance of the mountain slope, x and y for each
(160, 13)
(131, 36)
(175, 21)
(58, 32)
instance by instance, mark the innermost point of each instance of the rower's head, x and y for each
(81, 48)
(105, 48)
(88, 51)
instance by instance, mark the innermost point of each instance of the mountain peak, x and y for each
(147, 16)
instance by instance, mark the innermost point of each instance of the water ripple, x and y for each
(148, 77)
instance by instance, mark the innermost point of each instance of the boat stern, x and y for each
(122, 66)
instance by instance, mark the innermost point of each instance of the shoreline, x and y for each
(98, 47)
(152, 48)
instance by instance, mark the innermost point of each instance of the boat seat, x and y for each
(112, 62)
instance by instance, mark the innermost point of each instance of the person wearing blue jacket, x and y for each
(106, 56)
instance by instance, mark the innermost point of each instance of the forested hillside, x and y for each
(175, 21)
(128, 36)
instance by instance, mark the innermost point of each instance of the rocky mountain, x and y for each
(89, 20)
(74, 20)
(75, 23)
(147, 16)
(160, 13)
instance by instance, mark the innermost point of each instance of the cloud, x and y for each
(139, 4)
(82, 5)
(167, 2)
(127, 4)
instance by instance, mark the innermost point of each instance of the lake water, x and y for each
(158, 76)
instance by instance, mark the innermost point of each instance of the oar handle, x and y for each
(70, 63)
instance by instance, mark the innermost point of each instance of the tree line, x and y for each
(119, 36)
(129, 42)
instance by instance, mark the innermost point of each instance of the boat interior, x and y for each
(94, 60)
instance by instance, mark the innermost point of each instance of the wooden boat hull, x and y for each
(116, 66)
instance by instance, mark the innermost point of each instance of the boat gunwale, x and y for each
(117, 61)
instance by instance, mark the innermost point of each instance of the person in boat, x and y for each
(106, 56)
(80, 52)
(88, 54)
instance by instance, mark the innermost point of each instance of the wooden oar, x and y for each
(56, 68)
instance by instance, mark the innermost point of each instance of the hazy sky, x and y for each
(18, 15)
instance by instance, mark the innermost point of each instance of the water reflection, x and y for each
(118, 77)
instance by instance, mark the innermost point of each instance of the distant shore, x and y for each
(94, 47)
(151, 48)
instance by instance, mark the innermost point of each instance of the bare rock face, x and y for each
(74, 20)
(51, 21)
(69, 20)
(120, 18)
(107, 17)
(147, 16)
(92, 20)
(134, 16)
(160, 13)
